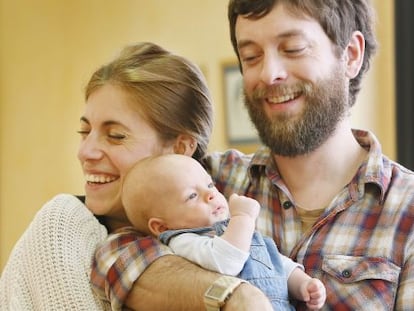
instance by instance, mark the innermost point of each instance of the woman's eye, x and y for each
(83, 133)
(116, 136)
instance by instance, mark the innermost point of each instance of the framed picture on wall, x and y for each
(240, 130)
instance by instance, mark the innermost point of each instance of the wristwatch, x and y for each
(216, 295)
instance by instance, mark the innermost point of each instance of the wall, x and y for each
(48, 49)
(375, 107)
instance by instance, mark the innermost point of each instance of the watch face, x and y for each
(215, 292)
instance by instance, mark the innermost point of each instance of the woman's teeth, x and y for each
(99, 179)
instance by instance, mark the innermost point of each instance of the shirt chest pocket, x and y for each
(349, 269)
(365, 283)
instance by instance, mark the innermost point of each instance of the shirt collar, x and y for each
(375, 170)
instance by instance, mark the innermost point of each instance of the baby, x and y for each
(173, 198)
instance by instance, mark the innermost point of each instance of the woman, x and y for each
(147, 101)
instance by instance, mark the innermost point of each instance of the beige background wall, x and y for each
(48, 49)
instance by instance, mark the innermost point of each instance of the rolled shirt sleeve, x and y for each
(120, 260)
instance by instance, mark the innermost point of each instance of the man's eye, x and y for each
(294, 51)
(249, 59)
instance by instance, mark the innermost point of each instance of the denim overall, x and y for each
(263, 268)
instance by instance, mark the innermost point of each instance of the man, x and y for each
(329, 198)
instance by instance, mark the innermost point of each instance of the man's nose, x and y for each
(273, 69)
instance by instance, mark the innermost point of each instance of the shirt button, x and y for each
(287, 204)
(346, 274)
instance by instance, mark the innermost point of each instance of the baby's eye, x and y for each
(192, 196)
(211, 185)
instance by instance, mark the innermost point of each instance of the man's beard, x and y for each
(326, 103)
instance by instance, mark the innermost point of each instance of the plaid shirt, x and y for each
(361, 248)
(119, 261)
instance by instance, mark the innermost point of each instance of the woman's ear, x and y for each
(185, 144)
(354, 54)
(156, 226)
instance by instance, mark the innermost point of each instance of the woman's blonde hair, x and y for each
(168, 91)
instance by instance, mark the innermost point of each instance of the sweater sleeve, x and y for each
(49, 267)
(212, 253)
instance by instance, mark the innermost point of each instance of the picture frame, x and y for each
(240, 129)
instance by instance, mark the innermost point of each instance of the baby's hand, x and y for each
(314, 293)
(240, 205)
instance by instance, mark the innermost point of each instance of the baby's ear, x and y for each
(157, 226)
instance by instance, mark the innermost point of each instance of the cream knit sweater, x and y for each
(49, 266)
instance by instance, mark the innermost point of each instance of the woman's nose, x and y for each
(90, 149)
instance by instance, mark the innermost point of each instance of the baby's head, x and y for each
(171, 192)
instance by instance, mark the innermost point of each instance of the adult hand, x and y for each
(247, 297)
